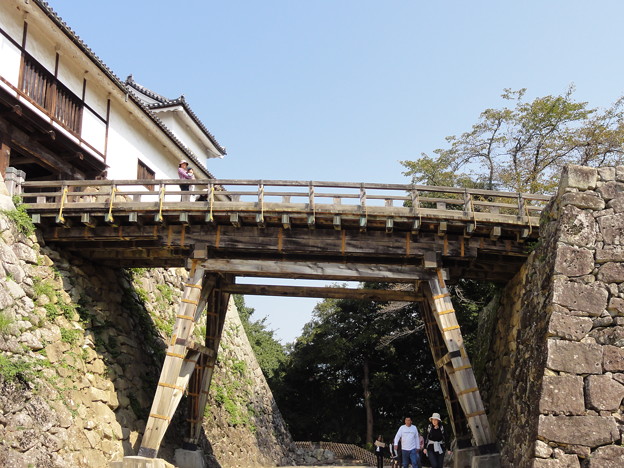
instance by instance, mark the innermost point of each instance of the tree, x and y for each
(522, 148)
(269, 352)
(359, 367)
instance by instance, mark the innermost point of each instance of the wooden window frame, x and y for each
(144, 172)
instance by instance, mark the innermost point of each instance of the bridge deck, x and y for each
(477, 233)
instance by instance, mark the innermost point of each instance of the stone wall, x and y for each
(81, 347)
(555, 366)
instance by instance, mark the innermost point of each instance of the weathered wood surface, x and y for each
(475, 234)
(460, 371)
(324, 292)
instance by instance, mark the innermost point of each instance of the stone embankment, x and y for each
(555, 366)
(81, 347)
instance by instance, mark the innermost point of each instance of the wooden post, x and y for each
(5, 157)
(459, 370)
(215, 319)
(179, 361)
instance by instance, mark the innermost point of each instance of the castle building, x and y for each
(65, 115)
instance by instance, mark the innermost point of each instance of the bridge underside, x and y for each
(320, 252)
(424, 245)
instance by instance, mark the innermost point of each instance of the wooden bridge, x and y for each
(223, 229)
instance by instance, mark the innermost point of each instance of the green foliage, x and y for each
(142, 293)
(51, 311)
(43, 288)
(20, 217)
(322, 393)
(136, 272)
(524, 147)
(269, 352)
(70, 336)
(166, 291)
(166, 327)
(16, 369)
(5, 323)
(68, 310)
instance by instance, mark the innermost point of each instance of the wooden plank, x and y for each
(325, 292)
(318, 270)
(460, 373)
(179, 363)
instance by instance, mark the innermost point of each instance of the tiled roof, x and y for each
(162, 103)
(47, 9)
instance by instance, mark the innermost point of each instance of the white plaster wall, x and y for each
(174, 121)
(129, 141)
(95, 96)
(12, 19)
(40, 48)
(93, 130)
(10, 58)
(70, 75)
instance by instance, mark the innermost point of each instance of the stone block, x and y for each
(591, 431)
(143, 462)
(611, 272)
(611, 189)
(573, 357)
(612, 229)
(609, 336)
(609, 456)
(577, 227)
(579, 177)
(189, 459)
(616, 304)
(573, 261)
(569, 327)
(606, 173)
(603, 393)
(588, 298)
(583, 200)
(617, 205)
(542, 449)
(486, 461)
(563, 461)
(562, 394)
(612, 358)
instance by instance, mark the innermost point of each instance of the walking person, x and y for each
(410, 443)
(380, 450)
(394, 458)
(436, 442)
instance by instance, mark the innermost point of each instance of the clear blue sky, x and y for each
(344, 89)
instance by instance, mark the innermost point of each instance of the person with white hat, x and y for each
(435, 441)
(183, 174)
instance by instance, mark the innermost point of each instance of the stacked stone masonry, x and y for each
(81, 348)
(555, 364)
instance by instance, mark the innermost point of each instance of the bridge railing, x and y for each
(254, 195)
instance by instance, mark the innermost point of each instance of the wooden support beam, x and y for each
(184, 218)
(179, 361)
(88, 220)
(459, 370)
(363, 223)
(318, 270)
(430, 259)
(235, 220)
(324, 292)
(389, 225)
(442, 228)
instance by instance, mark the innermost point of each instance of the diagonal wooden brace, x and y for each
(179, 362)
